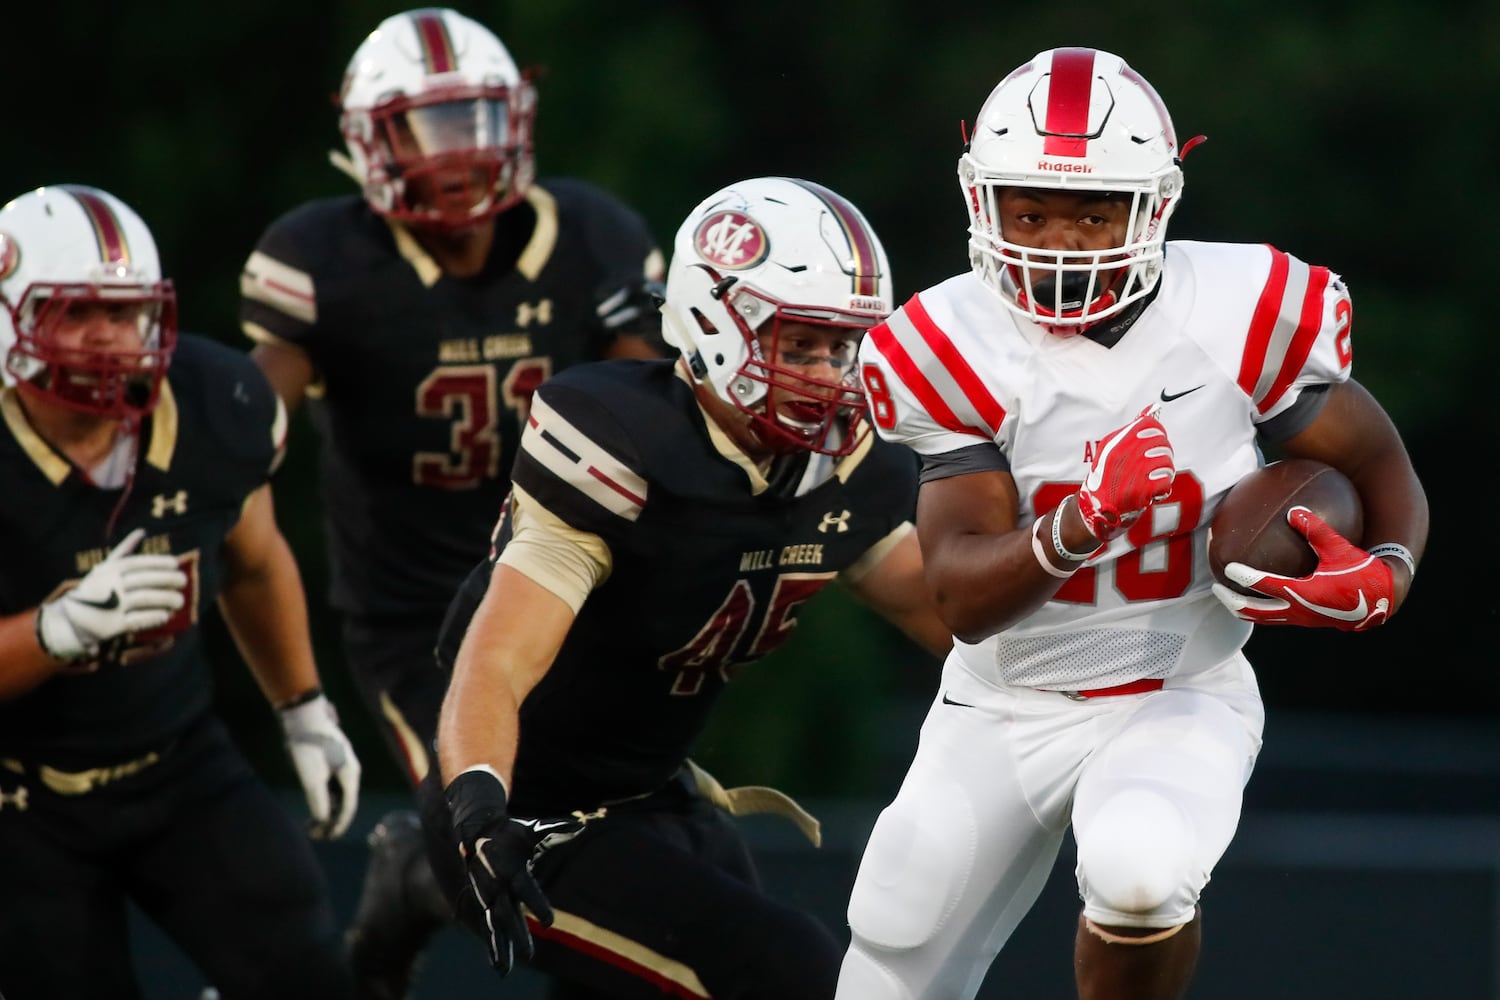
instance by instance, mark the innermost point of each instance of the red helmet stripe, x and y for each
(866, 276)
(108, 233)
(437, 44)
(1071, 83)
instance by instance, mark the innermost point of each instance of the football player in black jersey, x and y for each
(135, 466)
(419, 317)
(666, 522)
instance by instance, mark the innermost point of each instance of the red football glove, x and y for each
(1133, 469)
(1349, 590)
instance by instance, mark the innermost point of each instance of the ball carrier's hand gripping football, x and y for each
(1349, 590)
(1132, 470)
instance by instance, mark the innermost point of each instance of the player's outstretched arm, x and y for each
(507, 649)
(265, 608)
(896, 588)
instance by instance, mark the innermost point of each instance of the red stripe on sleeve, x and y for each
(979, 397)
(1068, 102)
(1309, 324)
(1263, 322)
(911, 375)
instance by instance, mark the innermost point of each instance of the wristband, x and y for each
(311, 694)
(1041, 553)
(476, 798)
(1399, 551)
(1057, 542)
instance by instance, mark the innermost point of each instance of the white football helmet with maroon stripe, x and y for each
(65, 249)
(776, 250)
(438, 120)
(1072, 119)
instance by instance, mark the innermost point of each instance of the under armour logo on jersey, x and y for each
(161, 503)
(541, 312)
(832, 520)
(16, 798)
(731, 239)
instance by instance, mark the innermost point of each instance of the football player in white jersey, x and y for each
(1081, 401)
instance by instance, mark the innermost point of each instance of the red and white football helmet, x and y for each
(1072, 119)
(772, 250)
(68, 247)
(438, 120)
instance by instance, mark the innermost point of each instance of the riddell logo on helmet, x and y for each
(1065, 168)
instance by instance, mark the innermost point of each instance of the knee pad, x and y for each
(1136, 859)
(920, 854)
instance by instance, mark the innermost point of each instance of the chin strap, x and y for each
(344, 165)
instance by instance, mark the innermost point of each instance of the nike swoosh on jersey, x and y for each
(1167, 397)
(949, 701)
(109, 604)
(1357, 614)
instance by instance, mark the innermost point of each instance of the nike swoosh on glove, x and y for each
(1132, 470)
(124, 593)
(499, 851)
(1349, 590)
(326, 765)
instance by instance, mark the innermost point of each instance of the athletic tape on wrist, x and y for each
(1399, 551)
(1041, 553)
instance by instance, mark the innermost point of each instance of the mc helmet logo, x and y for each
(731, 240)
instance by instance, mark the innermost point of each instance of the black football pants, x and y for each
(658, 898)
(200, 845)
(398, 678)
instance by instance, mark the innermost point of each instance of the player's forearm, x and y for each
(265, 609)
(23, 664)
(479, 725)
(984, 584)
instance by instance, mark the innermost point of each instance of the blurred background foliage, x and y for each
(1356, 135)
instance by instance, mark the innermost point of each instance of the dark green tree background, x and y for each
(1357, 135)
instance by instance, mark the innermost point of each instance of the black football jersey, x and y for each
(210, 442)
(425, 379)
(707, 577)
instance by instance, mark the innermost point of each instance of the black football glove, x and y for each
(498, 852)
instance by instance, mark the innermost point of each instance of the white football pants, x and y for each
(1151, 783)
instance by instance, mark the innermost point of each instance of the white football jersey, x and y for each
(1233, 336)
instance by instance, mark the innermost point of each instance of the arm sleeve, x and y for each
(568, 562)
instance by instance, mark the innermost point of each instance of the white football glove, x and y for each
(124, 593)
(325, 763)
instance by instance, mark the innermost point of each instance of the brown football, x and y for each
(1250, 524)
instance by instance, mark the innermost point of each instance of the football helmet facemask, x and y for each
(71, 254)
(749, 261)
(1075, 120)
(438, 120)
